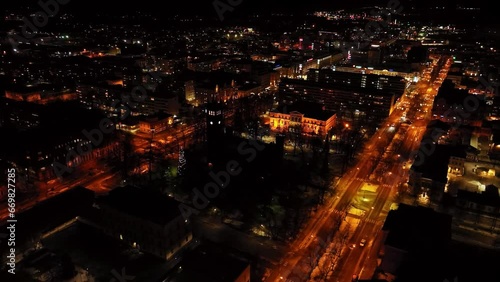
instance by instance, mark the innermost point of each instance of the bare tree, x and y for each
(332, 254)
(312, 258)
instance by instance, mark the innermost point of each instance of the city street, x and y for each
(387, 171)
(93, 182)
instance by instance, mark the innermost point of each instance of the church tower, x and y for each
(216, 130)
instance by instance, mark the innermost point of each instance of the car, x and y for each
(363, 242)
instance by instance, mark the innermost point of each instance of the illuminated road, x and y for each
(93, 182)
(380, 163)
(169, 141)
(361, 261)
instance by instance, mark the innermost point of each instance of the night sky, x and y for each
(249, 5)
(89, 8)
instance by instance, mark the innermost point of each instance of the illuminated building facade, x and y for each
(302, 119)
(41, 96)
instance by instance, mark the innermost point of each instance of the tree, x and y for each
(333, 254)
(316, 146)
(127, 155)
(239, 120)
(312, 258)
(295, 135)
(67, 267)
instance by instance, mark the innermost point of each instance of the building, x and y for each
(205, 64)
(156, 123)
(114, 100)
(260, 71)
(130, 125)
(494, 145)
(414, 235)
(349, 102)
(215, 128)
(60, 133)
(47, 216)
(456, 166)
(429, 174)
(449, 105)
(395, 84)
(155, 103)
(132, 78)
(145, 219)
(211, 263)
(22, 115)
(205, 90)
(249, 89)
(371, 56)
(104, 97)
(456, 78)
(309, 119)
(406, 72)
(298, 66)
(41, 95)
(190, 94)
(480, 207)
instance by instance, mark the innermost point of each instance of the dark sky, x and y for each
(188, 6)
(205, 5)
(88, 8)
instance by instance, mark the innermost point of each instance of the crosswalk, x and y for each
(364, 179)
(369, 220)
(373, 221)
(336, 211)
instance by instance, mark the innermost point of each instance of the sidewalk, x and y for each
(469, 236)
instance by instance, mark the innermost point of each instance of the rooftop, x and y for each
(416, 228)
(328, 86)
(490, 197)
(309, 109)
(46, 215)
(435, 165)
(143, 203)
(209, 263)
(157, 117)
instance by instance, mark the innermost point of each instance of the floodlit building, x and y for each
(306, 118)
